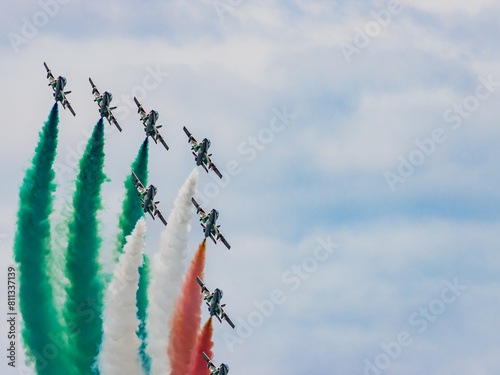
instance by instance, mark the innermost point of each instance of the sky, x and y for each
(358, 140)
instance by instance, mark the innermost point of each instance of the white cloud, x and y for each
(450, 6)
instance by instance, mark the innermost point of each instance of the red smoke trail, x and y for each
(187, 316)
(198, 365)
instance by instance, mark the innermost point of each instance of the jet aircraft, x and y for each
(223, 369)
(147, 199)
(213, 302)
(200, 152)
(149, 121)
(209, 224)
(104, 102)
(58, 85)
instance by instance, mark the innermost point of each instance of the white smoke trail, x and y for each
(167, 274)
(119, 353)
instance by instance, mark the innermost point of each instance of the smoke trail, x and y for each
(84, 301)
(119, 352)
(142, 305)
(31, 248)
(132, 207)
(187, 316)
(198, 365)
(166, 275)
(131, 212)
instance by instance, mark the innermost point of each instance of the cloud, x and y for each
(449, 6)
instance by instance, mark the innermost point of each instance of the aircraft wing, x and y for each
(49, 73)
(94, 89)
(191, 140)
(140, 109)
(204, 289)
(112, 120)
(190, 136)
(136, 180)
(160, 216)
(160, 138)
(211, 236)
(202, 284)
(71, 109)
(211, 365)
(226, 318)
(222, 239)
(212, 166)
(138, 184)
(68, 105)
(198, 208)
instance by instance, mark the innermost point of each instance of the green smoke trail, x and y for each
(42, 333)
(132, 207)
(142, 305)
(83, 308)
(131, 212)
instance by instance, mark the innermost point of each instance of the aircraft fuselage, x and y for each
(105, 103)
(215, 302)
(203, 151)
(211, 222)
(150, 128)
(149, 199)
(59, 88)
(223, 369)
